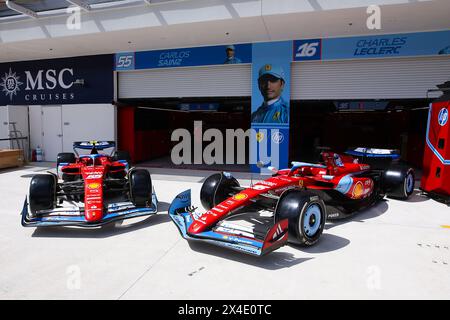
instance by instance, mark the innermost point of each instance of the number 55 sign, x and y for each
(124, 61)
(308, 49)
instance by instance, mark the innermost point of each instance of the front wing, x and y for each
(74, 216)
(181, 215)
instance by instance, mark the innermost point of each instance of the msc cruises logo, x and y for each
(10, 84)
(39, 85)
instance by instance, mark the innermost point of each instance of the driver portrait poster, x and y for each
(270, 106)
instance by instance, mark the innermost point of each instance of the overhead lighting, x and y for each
(81, 4)
(18, 8)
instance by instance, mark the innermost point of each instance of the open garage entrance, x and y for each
(340, 125)
(153, 103)
(378, 103)
(145, 128)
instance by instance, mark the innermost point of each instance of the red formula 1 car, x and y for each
(95, 189)
(291, 205)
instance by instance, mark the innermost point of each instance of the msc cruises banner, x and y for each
(380, 46)
(186, 57)
(271, 74)
(57, 81)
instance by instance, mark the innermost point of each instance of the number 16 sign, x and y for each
(308, 49)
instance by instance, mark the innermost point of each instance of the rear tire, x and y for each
(306, 214)
(399, 182)
(140, 187)
(66, 157)
(123, 155)
(42, 195)
(217, 188)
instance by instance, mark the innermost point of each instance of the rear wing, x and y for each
(374, 153)
(93, 145)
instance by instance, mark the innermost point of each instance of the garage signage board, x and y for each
(75, 80)
(378, 46)
(186, 57)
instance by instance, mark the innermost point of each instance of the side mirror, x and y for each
(260, 164)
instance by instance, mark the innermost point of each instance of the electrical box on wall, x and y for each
(436, 163)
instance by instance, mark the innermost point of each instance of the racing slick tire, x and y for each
(140, 187)
(306, 214)
(217, 188)
(399, 182)
(122, 155)
(42, 193)
(66, 157)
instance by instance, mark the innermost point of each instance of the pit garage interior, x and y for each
(380, 103)
(154, 103)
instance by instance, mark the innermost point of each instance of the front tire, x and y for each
(42, 194)
(140, 187)
(217, 188)
(306, 214)
(66, 157)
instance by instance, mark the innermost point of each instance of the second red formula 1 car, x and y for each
(291, 205)
(94, 189)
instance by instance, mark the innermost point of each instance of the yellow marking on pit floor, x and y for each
(446, 227)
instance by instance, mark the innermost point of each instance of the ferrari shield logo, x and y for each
(276, 115)
(259, 136)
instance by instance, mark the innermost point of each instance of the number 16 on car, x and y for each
(308, 49)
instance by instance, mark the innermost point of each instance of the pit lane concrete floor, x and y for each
(393, 250)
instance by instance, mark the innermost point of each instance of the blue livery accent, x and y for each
(183, 220)
(80, 221)
(393, 156)
(344, 184)
(314, 212)
(125, 162)
(99, 145)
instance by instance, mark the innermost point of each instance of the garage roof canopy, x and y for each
(32, 8)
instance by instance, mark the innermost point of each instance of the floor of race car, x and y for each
(393, 250)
